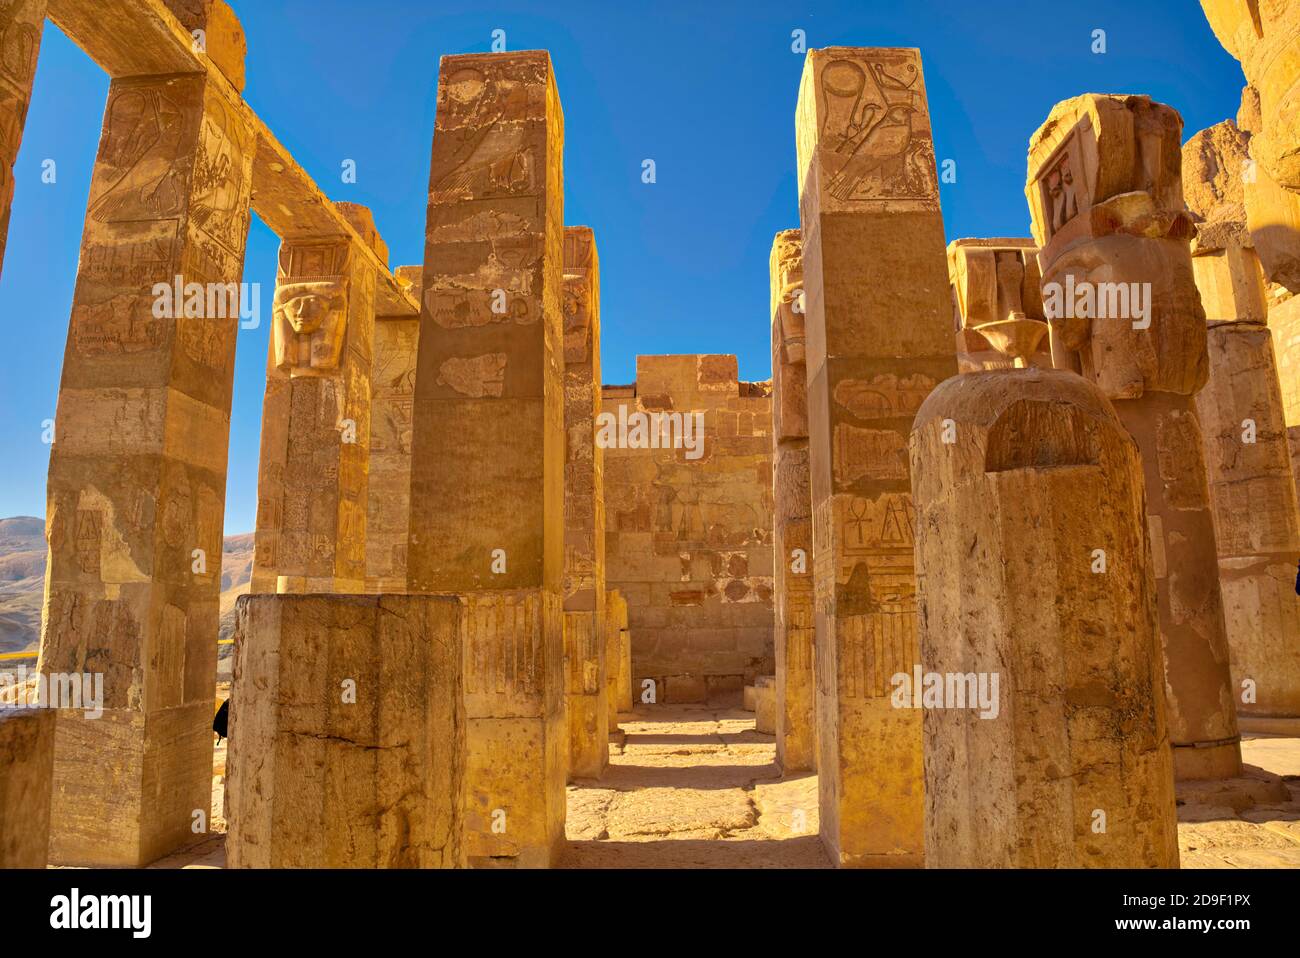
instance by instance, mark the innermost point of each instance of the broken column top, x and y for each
(1215, 161)
(1103, 165)
(1106, 196)
(996, 291)
(409, 280)
(1265, 36)
(786, 278)
(989, 287)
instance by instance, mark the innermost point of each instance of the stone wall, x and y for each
(688, 537)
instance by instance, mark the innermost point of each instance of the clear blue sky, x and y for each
(707, 90)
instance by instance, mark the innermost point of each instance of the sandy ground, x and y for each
(698, 787)
(694, 787)
(1250, 822)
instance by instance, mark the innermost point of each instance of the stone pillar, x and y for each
(795, 685)
(26, 776)
(388, 486)
(137, 479)
(311, 488)
(347, 732)
(1106, 197)
(1256, 526)
(1265, 36)
(879, 339)
(998, 309)
(21, 23)
(585, 646)
(1042, 678)
(765, 704)
(487, 467)
(618, 672)
(1252, 488)
(1216, 166)
(623, 700)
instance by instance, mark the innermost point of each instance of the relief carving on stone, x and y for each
(874, 588)
(1064, 192)
(475, 376)
(579, 261)
(886, 396)
(500, 290)
(495, 159)
(140, 177)
(875, 133)
(19, 42)
(310, 308)
(221, 191)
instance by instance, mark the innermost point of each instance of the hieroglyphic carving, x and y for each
(886, 396)
(871, 454)
(20, 40)
(218, 209)
(874, 587)
(122, 324)
(495, 158)
(140, 177)
(504, 646)
(1064, 193)
(89, 523)
(875, 130)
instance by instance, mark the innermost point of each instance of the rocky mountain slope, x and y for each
(22, 581)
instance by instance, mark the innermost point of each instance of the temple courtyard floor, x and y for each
(698, 787)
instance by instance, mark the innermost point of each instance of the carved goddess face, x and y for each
(306, 306)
